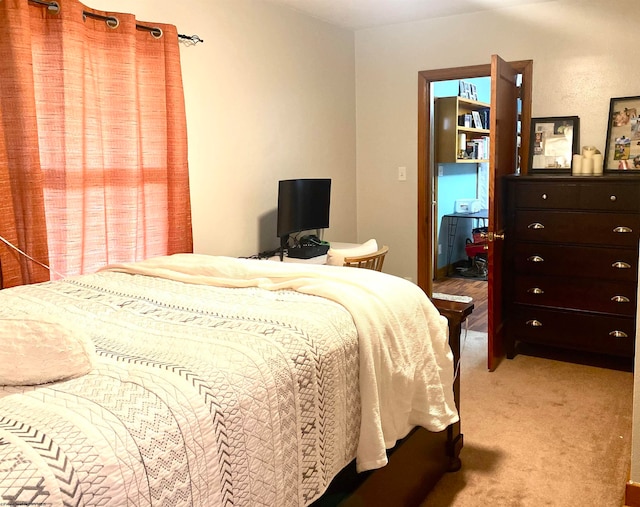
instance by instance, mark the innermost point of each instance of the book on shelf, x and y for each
(465, 120)
(479, 119)
(477, 149)
(468, 119)
(485, 117)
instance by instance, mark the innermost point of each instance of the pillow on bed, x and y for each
(335, 256)
(37, 352)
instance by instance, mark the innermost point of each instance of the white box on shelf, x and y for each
(467, 206)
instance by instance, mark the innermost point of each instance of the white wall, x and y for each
(583, 55)
(269, 95)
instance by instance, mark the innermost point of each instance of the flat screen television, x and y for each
(303, 205)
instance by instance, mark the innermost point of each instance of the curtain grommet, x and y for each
(112, 22)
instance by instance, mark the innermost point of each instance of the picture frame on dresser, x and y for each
(622, 148)
(553, 142)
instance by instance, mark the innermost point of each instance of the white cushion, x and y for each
(335, 256)
(37, 352)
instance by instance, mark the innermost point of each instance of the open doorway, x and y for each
(461, 179)
(460, 138)
(510, 114)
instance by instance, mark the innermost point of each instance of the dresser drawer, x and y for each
(589, 294)
(623, 196)
(576, 330)
(610, 229)
(619, 264)
(614, 196)
(544, 194)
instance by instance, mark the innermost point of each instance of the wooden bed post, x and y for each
(456, 313)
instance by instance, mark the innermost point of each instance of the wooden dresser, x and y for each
(571, 262)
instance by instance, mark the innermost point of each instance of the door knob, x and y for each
(491, 235)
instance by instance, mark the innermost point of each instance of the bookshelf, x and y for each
(458, 121)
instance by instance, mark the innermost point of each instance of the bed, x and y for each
(201, 380)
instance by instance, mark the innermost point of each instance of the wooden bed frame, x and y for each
(418, 462)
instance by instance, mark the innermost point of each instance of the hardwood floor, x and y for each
(477, 289)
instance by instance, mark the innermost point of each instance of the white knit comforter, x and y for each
(199, 396)
(406, 365)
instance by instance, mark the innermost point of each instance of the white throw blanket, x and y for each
(406, 365)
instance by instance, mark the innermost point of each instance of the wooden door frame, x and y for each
(425, 162)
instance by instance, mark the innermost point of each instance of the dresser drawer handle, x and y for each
(535, 225)
(620, 299)
(535, 258)
(544, 197)
(620, 265)
(623, 229)
(618, 334)
(613, 198)
(535, 290)
(534, 323)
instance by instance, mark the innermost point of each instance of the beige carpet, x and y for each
(539, 432)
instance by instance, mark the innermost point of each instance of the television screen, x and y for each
(303, 205)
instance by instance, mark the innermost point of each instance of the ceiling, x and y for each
(357, 14)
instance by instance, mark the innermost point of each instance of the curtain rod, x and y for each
(114, 22)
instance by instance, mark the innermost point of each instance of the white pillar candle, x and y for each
(576, 165)
(462, 146)
(588, 151)
(587, 166)
(597, 164)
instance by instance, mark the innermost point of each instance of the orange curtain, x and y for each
(95, 144)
